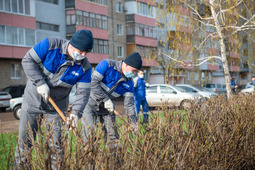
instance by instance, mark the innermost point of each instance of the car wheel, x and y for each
(185, 104)
(16, 112)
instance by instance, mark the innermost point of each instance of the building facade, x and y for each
(121, 27)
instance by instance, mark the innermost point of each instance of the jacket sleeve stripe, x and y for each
(63, 84)
(34, 55)
(83, 85)
(107, 89)
(97, 74)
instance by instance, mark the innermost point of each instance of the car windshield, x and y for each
(210, 86)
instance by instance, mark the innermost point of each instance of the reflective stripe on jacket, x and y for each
(48, 62)
(105, 76)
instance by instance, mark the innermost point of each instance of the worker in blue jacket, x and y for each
(110, 80)
(140, 95)
(53, 67)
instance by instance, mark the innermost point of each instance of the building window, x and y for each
(188, 75)
(119, 29)
(17, 36)
(79, 18)
(145, 9)
(47, 26)
(105, 23)
(87, 19)
(15, 71)
(196, 76)
(50, 1)
(118, 7)
(130, 29)
(104, 2)
(100, 46)
(2, 34)
(98, 21)
(92, 20)
(120, 51)
(141, 30)
(15, 6)
(210, 76)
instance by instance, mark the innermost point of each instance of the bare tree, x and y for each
(228, 18)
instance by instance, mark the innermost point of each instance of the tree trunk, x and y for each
(223, 50)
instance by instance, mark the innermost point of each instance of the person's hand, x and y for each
(44, 91)
(108, 104)
(72, 120)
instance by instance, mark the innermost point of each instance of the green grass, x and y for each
(7, 148)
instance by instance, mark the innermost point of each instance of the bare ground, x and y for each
(8, 123)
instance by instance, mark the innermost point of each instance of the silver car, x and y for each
(158, 94)
(217, 88)
(197, 89)
(4, 100)
(15, 103)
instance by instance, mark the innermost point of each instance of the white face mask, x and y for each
(141, 76)
(129, 74)
(77, 56)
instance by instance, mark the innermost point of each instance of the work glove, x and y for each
(72, 121)
(44, 91)
(108, 104)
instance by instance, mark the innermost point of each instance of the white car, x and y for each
(197, 89)
(248, 90)
(249, 85)
(158, 94)
(4, 100)
(15, 103)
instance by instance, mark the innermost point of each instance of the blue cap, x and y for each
(82, 40)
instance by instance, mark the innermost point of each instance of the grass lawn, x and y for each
(7, 148)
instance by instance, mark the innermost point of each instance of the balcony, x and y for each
(234, 68)
(130, 38)
(70, 29)
(130, 17)
(70, 3)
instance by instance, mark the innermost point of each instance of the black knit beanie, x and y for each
(134, 60)
(82, 40)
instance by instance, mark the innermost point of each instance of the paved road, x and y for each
(8, 123)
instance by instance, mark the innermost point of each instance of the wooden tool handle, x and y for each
(57, 109)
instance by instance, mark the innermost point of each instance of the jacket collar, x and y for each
(118, 66)
(64, 48)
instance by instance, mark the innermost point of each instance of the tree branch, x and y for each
(178, 61)
(225, 10)
(208, 18)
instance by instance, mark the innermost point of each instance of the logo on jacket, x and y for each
(75, 74)
(125, 85)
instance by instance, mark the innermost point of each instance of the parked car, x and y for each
(247, 90)
(15, 103)
(4, 100)
(249, 84)
(197, 89)
(15, 90)
(217, 88)
(157, 94)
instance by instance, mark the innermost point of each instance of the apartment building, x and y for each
(17, 36)
(141, 32)
(91, 15)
